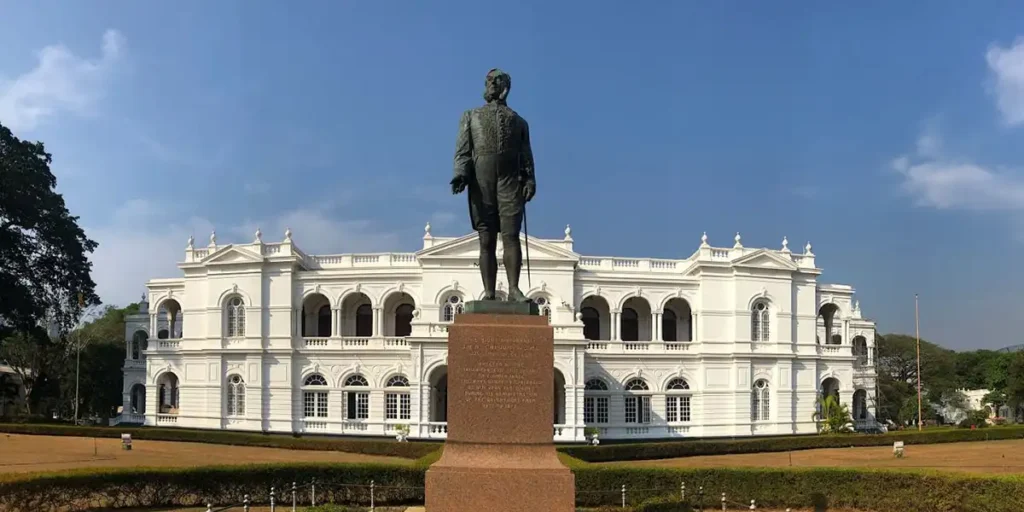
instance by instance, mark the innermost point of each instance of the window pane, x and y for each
(670, 408)
(362, 406)
(588, 409)
(602, 409)
(631, 409)
(391, 406)
(309, 404)
(684, 408)
(321, 404)
(405, 407)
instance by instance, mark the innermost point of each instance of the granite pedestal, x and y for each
(499, 455)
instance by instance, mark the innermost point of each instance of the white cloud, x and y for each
(61, 81)
(143, 242)
(1007, 67)
(946, 183)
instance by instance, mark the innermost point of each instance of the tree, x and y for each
(1015, 383)
(44, 267)
(831, 416)
(897, 373)
(27, 353)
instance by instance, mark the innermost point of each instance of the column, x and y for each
(152, 325)
(656, 333)
(693, 327)
(378, 317)
(846, 333)
(171, 323)
(614, 327)
(128, 349)
(335, 322)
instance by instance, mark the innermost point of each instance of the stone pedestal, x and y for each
(499, 455)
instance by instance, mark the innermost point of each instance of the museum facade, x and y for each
(729, 341)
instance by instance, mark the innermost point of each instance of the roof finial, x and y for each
(785, 244)
(213, 238)
(704, 239)
(807, 249)
(191, 242)
(287, 234)
(426, 230)
(738, 243)
(259, 236)
(568, 232)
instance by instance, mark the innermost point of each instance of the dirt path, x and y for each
(1003, 457)
(23, 453)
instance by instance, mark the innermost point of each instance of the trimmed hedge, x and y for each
(221, 485)
(689, 448)
(877, 490)
(413, 450)
(652, 490)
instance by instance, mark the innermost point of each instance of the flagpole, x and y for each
(917, 329)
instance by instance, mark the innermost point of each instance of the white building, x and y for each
(729, 341)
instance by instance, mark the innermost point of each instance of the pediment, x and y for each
(231, 255)
(468, 247)
(763, 258)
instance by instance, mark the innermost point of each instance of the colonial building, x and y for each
(730, 341)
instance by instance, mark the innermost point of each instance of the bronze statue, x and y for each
(494, 161)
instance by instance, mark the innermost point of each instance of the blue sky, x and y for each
(887, 134)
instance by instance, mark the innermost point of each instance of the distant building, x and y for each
(729, 341)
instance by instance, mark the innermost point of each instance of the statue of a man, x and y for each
(494, 161)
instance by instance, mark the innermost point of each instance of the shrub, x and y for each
(229, 437)
(877, 490)
(688, 448)
(148, 487)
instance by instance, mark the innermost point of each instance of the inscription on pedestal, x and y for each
(500, 382)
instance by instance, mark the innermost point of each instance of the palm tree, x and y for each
(831, 416)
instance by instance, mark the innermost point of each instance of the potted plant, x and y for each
(402, 433)
(591, 434)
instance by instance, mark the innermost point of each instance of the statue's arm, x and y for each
(464, 149)
(526, 159)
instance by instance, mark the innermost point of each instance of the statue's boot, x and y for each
(516, 295)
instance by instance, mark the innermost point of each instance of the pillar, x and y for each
(656, 334)
(378, 319)
(614, 327)
(336, 322)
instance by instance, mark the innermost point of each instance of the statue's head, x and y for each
(496, 85)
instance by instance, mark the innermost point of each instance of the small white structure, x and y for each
(727, 341)
(897, 449)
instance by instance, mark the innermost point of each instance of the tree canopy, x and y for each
(44, 267)
(943, 373)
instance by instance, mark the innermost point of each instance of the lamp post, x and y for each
(917, 330)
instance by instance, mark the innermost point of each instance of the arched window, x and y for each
(544, 307)
(138, 343)
(236, 317)
(403, 320)
(860, 404)
(357, 400)
(323, 321)
(630, 325)
(759, 322)
(638, 407)
(595, 401)
(314, 400)
(236, 396)
(668, 326)
(452, 306)
(860, 350)
(138, 399)
(591, 323)
(364, 321)
(837, 339)
(759, 401)
(397, 404)
(677, 401)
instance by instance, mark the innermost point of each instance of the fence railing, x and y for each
(290, 497)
